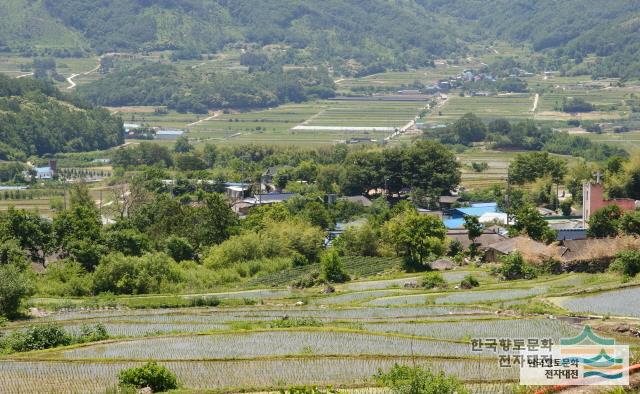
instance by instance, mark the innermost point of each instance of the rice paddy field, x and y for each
(287, 337)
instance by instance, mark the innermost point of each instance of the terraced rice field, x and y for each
(91, 377)
(605, 303)
(465, 330)
(339, 339)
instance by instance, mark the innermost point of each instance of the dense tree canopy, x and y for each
(35, 119)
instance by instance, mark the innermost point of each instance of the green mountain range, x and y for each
(374, 33)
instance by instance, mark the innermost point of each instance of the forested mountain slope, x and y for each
(376, 34)
(373, 31)
(569, 30)
(36, 119)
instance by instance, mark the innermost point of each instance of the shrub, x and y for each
(65, 278)
(358, 241)
(37, 338)
(179, 249)
(332, 269)
(630, 223)
(403, 379)
(565, 207)
(469, 282)
(432, 280)
(205, 301)
(128, 242)
(605, 222)
(298, 322)
(514, 267)
(94, 333)
(627, 263)
(309, 280)
(298, 260)
(455, 248)
(152, 375)
(14, 288)
(134, 275)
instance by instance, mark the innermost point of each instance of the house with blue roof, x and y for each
(455, 218)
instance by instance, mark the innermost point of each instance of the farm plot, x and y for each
(271, 126)
(462, 297)
(91, 377)
(354, 115)
(263, 344)
(355, 297)
(356, 266)
(629, 140)
(512, 106)
(465, 330)
(379, 284)
(210, 316)
(604, 303)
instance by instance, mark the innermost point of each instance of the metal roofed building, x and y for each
(168, 134)
(456, 215)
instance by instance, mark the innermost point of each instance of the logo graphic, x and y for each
(587, 359)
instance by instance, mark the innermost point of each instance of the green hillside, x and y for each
(36, 119)
(566, 32)
(580, 36)
(375, 32)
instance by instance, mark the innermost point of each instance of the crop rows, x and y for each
(223, 315)
(607, 303)
(356, 296)
(514, 329)
(461, 297)
(470, 297)
(355, 266)
(93, 377)
(259, 344)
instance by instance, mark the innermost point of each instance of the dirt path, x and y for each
(72, 84)
(215, 115)
(24, 75)
(535, 103)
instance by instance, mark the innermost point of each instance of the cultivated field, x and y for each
(274, 337)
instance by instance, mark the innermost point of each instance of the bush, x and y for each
(565, 207)
(179, 249)
(298, 260)
(205, 301)
(92, 333)
(455, 248)
(514, 267)
(65, 278)
(14, 288)
(331, 268)
(403, 379)
(469, 282)
(49, 336)
(358, 241)
(37, 338)
(309, 280)
(297, 322)
(152, 375)
(128, 242)
(630, 223)
(432, 280)
(627, 263)
(605, 222)
(120, 274)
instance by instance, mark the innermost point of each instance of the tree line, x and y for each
(526, 135)
(194, 91)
